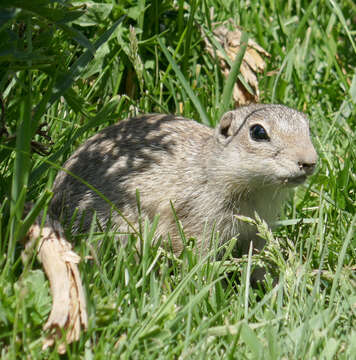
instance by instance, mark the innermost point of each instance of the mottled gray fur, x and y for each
(209, 175)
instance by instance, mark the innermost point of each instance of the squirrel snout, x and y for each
(307, 167)
(307, 163)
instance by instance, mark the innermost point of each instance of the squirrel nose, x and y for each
(307, 167)
(308, 162)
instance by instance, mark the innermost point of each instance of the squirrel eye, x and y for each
(258, 133)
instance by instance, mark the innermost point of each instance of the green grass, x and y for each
(77, 74)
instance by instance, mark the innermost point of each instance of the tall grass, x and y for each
(68, 70)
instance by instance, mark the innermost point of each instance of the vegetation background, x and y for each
(68, 69)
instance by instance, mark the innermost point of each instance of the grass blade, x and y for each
(343, 22)
(21, 169)
(340, 263)
(103, 115)
(235, 69)
(66, 81)
(198, 106)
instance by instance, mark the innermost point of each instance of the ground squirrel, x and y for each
(248, 163)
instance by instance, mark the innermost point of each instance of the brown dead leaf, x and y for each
(252, 63)
(68, 313)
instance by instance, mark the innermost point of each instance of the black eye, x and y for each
(258, 133)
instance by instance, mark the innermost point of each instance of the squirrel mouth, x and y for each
(295, 180)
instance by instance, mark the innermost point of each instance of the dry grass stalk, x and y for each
(68, 315)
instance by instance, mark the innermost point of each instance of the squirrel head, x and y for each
(266, 145)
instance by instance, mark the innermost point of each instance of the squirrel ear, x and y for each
(232, 121)
(226, 125)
